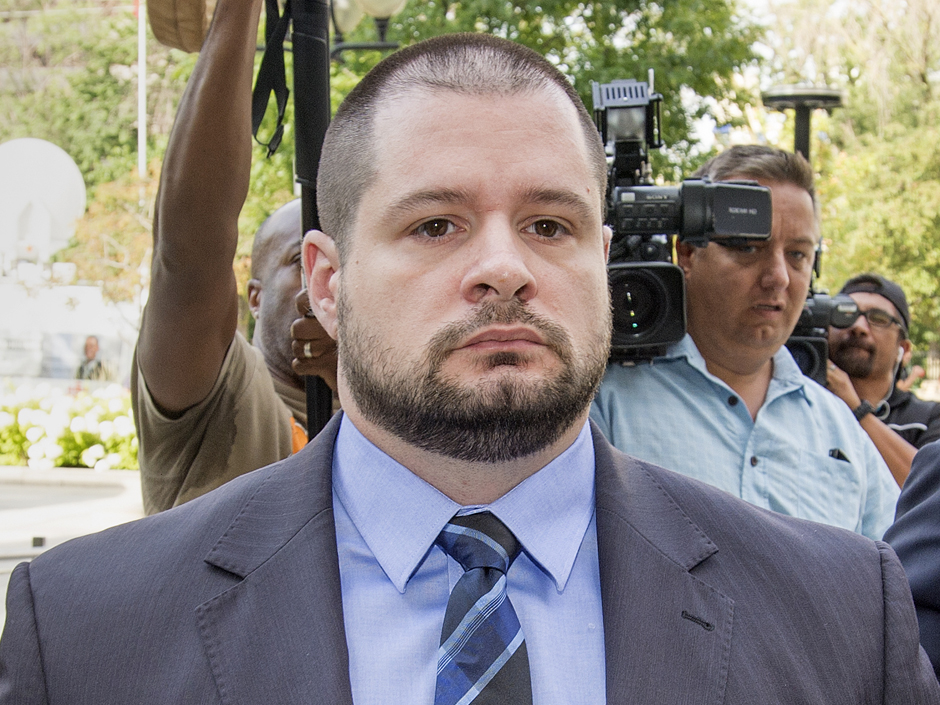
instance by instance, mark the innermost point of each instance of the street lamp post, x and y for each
(346, 14)
(803, 99)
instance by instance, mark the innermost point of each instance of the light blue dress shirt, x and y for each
(396, 582)
(674, 413)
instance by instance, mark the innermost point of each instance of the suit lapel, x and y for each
(661, 623)
(278, 635)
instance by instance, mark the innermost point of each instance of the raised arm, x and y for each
(191, 315)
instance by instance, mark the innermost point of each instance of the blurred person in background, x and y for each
(865, 360)
(92, 368)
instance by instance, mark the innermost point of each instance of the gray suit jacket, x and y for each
(915, 536)
(235, 598)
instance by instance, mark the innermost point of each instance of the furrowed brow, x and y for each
(561, 197)
(421, 200)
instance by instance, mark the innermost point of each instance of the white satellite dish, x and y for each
(42, 194)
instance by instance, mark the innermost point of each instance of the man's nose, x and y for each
(775, 274)
(860, 325)
(500, 269)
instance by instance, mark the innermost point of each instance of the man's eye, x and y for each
(438, 227)
(879, 317)
(547, 228)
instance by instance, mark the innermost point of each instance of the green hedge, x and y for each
(44, 426)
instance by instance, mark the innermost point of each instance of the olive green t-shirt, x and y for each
(242, 425)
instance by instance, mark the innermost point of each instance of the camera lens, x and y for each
(810, 354)
(648, 300)
(806, 358)
(640, 301)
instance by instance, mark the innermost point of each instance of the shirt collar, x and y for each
(399, 515)
(787, 375)
(898, 396)
(550, 511)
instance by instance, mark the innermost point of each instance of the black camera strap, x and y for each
(272, 77)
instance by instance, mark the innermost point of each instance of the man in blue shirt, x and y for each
(727, 404)
(460, 533)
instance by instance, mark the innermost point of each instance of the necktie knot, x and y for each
(479, 541)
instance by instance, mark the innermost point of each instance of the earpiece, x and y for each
(900, 354)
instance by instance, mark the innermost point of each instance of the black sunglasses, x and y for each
(880, 318)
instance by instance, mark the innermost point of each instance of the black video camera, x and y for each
(647, 289)
(809, 342)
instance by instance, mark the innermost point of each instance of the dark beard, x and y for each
(854, 365)
(492, 422)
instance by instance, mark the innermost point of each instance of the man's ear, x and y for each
(684, 252)
(904, 349)
(608, 235)
(321, 270)
(254, 297)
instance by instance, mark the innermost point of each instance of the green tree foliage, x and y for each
(69, 76)
(881, 210)
(878, 160)
(694, 48)
(112, 243)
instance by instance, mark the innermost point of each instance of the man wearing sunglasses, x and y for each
(865, 360)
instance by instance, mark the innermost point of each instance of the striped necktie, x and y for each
(482, 658)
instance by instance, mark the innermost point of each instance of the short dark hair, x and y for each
(470, 64)
(755, 161)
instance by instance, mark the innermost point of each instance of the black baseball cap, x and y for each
(876, 284)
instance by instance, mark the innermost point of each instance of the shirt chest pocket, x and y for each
(829, 490)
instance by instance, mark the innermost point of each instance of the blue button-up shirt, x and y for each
(396, 582)
(804, 454)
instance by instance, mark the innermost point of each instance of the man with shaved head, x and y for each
(461, 533)
(208, 405)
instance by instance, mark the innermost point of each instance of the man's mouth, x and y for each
(496, 329)
(503, 338)
(870, 349)
(769, 307)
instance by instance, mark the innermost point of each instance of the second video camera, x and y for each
(809, 343)
(647, 289)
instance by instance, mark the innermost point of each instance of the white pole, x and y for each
(141, 89)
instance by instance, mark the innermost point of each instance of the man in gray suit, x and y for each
(461, 533)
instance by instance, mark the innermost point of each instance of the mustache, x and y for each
(513, 312)
(857, 343)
